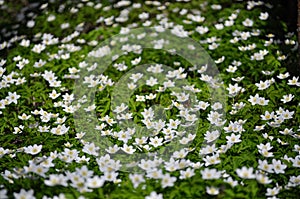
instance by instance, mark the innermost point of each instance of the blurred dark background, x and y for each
(17, 10)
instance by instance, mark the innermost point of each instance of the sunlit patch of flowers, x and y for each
(254, 152)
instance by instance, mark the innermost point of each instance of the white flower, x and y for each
(211, 136)
(245, 35)
(60, 130)
(296, 162)
(128, 149)
(220, 60)
(217, 106)
(90, 149)
(231, 182)
(146, 165)
(263, 165)
(172, 165)
(179, 31)
(263, 85)
(154, 195)
(24, 116)
(55, 179)
(263, 16)
(233, 138)
(131, 86)
(135, 77)
(55, 84)
(287, 98)
(231, 69)
(148, 113)
(266, 146)
(219, 26)
(25, 43)
(267, 116)
(188, 173)
(13, 97)
(95, 182)
(151, 96)
(39, 63)
(238, 106)
(51, 18)
(254, 99)
(208, 149)
(90, 108)
(212, 190)
(209, 174)
(215, 118)
(229, 23)
(54, 94)
(211, 160)
(140, 98)
(234, 89)
(202, 29)
(123, 136)
(155, 173)
(113, 149)
(262, 101)
(234, 40)
(283, 76)
(263, 179)
(136, 61)
(73, 70)
(120, 66)
(38, 48)
(156, 142)
(23, 194)
(167, 180)
(216, 7)
(297, 148)
(40, 170)
(273, 192)
(294, 81)
(202, 105)
(266, 153)
(64, 25)
(3, 151)
(180, 154)
(33, 150)
(110, 176)
(278, 166)
(294, 181)
(144, 16)
(30, 24)
(169, 84)
(108, 120)
(151, 81)
(287, 131)
(3, 192)
(47, 163)
(248, 23)
(136, 179)
(245, 173)
(67, 97)
(121, 108)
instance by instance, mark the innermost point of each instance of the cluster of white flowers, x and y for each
(255, 117)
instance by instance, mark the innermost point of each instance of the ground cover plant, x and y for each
(147, 99)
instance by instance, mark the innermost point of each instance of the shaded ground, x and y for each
(15, 16)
